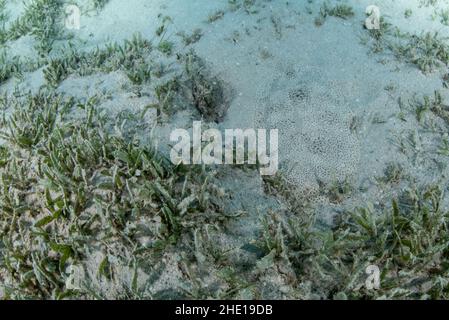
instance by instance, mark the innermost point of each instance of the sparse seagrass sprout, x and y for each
(427, 51)
(340, 11)
(216, 16)
(277, 25)
(166, 47)
(9, 66)
(408, 13)
(3, 20)
(393, 174)
(99, 4)
(249, 5)
(207, 92)
(444, 17)
(194, 37)
(433, 104)
(132, 57)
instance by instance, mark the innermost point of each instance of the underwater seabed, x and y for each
(93, 207)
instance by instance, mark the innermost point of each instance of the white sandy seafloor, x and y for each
(312, 83)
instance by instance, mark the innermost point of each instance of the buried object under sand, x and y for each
(206, 92)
